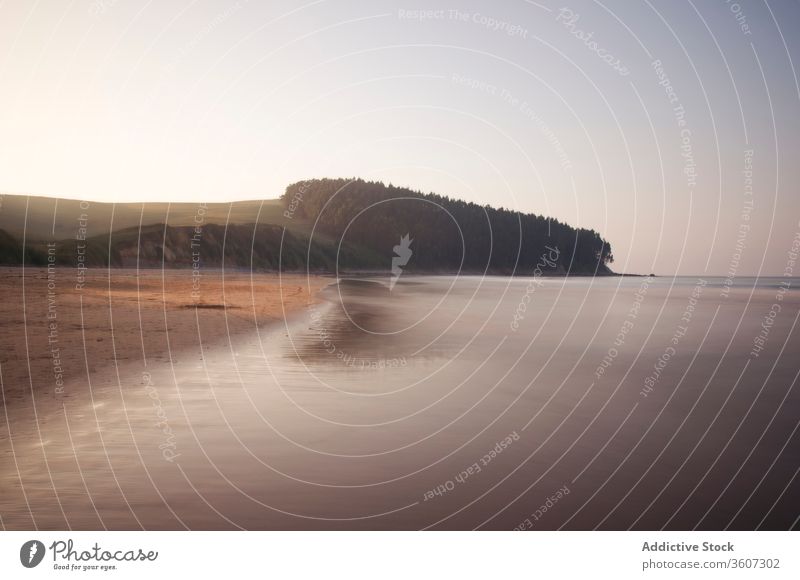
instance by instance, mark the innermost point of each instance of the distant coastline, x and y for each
(319, 225)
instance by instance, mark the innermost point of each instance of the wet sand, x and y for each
(441, 404)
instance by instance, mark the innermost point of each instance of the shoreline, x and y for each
(62, 326)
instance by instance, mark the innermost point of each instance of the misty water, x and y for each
(443, 402)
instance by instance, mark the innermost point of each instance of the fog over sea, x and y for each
(446, 403)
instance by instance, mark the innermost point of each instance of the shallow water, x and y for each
(445, 402)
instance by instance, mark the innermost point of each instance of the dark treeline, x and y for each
(448, 234)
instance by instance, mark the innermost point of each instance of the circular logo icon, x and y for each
(31, 553)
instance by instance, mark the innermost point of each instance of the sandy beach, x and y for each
(61, 325)
(389, 410)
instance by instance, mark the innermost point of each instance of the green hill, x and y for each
(357, 226)
(448, 234)
(261, 247)
(11, 252)
(48, 218)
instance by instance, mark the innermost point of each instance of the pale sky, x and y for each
(505, 103)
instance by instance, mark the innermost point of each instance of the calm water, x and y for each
(443, 403)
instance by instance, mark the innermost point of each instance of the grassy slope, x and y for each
(41, 211)
(43, 219)
(245, 244)
(238, 246)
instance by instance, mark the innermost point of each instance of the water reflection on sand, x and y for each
(426, 406)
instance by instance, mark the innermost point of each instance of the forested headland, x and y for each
(447, 234)
(321, 225)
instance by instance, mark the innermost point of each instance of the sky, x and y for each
(672, 128)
